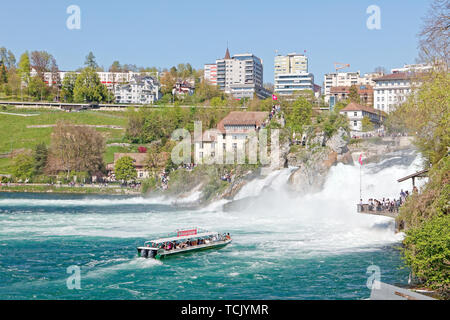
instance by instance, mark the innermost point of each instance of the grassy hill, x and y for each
(16, 133)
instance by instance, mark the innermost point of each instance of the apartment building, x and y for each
(365, 93)
(420, 68)
(291, 74)
(339, 79)
(241, 75)
(139, 90)
(392, 90)
(109, 79)
(210, 73)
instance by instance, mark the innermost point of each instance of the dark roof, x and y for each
(357, 107)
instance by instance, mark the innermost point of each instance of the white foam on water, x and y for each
(89, 202)
(279, 223)
(136, 263)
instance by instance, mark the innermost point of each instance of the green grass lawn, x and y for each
(14, 133)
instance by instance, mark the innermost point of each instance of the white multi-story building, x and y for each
(109, 79)
(339, 79)
(291, 74)
(210, 73)
(241, 73)
(140, 90)
(229, 138)
(392, 90)
(413, 68)
(291, 63)
(347, 79)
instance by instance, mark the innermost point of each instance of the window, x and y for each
(355, 114)
(355, 123)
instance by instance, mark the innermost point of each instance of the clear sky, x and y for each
(163, 33)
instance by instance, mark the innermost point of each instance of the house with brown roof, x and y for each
(230, 136)
(365, 93)
(139, 162)
(356, 112)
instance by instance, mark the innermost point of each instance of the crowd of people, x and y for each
(380, 134)
(174, 245)
(389, 205)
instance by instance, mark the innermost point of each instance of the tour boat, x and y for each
(185, 241)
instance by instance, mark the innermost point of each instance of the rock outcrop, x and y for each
(315, 161)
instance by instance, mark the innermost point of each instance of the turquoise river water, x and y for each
(288, 246)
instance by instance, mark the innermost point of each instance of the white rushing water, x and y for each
(322, 223)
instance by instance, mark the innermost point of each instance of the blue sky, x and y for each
(163, 33)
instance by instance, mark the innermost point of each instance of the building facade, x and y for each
(392, 90)
(365, 93)
(139, 162)
(210, 73)
(139, 90)
(291, 74)
(356, 113)
(240, 75)
(230, 137)
(347, 79)
(109, 79)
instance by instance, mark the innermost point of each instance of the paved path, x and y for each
(21, 114)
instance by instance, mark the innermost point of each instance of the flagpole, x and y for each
(360, 177)
(360, 182)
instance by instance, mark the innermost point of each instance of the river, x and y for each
(286, 246)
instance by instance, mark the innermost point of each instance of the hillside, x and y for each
(24, 128)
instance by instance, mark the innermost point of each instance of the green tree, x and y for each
(124, 169)
(40, 155)
(90, 61)
(427, 252)
(367, 125)
(24, 67)
(68, 86)
(299, 115)
(38, 89)
(22, 166)
(88, 87)
(340, 105)
(3, 74)
(354, 95)
(430, 104)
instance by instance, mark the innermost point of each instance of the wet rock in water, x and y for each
(311, 174)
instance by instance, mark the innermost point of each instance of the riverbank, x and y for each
(91, 189)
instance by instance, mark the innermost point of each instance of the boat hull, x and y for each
(163, 254)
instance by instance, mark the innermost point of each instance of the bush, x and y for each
(427, 252)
